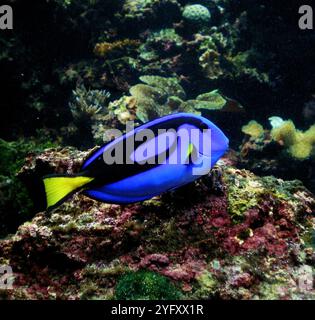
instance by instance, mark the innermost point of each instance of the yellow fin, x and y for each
(190, 149)
(57, 188)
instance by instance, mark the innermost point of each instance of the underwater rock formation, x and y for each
(230, 235)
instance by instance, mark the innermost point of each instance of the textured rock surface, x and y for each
(231, 235)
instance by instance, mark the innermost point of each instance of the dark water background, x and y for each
(47, 37)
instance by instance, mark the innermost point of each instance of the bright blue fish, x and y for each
(158, 156)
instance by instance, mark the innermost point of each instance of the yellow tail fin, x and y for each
(59, 187)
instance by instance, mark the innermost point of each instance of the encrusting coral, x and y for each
(231, 235)
(155, 97)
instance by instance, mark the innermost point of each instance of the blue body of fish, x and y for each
(149, 181)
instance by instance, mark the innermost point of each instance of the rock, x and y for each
(246, 240)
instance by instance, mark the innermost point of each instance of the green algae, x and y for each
(280, 189)
(114, 270)
(145, 285)
(98, 278)
(206, 285)
(241, 196)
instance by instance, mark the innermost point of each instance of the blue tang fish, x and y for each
(153, 158)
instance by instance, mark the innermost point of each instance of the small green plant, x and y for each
(145, 285)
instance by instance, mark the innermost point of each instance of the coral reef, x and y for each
(283, 151)
(89, 112)
(253, 129)
(210, 64)
(196, 14)
(231, 235)
(298, 144)
(219, 61)
(88, 103)
(156, 96)
(124, 109)
(159, 96)
(142, 13)
(123, 40)
(104, 49)
(240, 233)
(165, 41)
